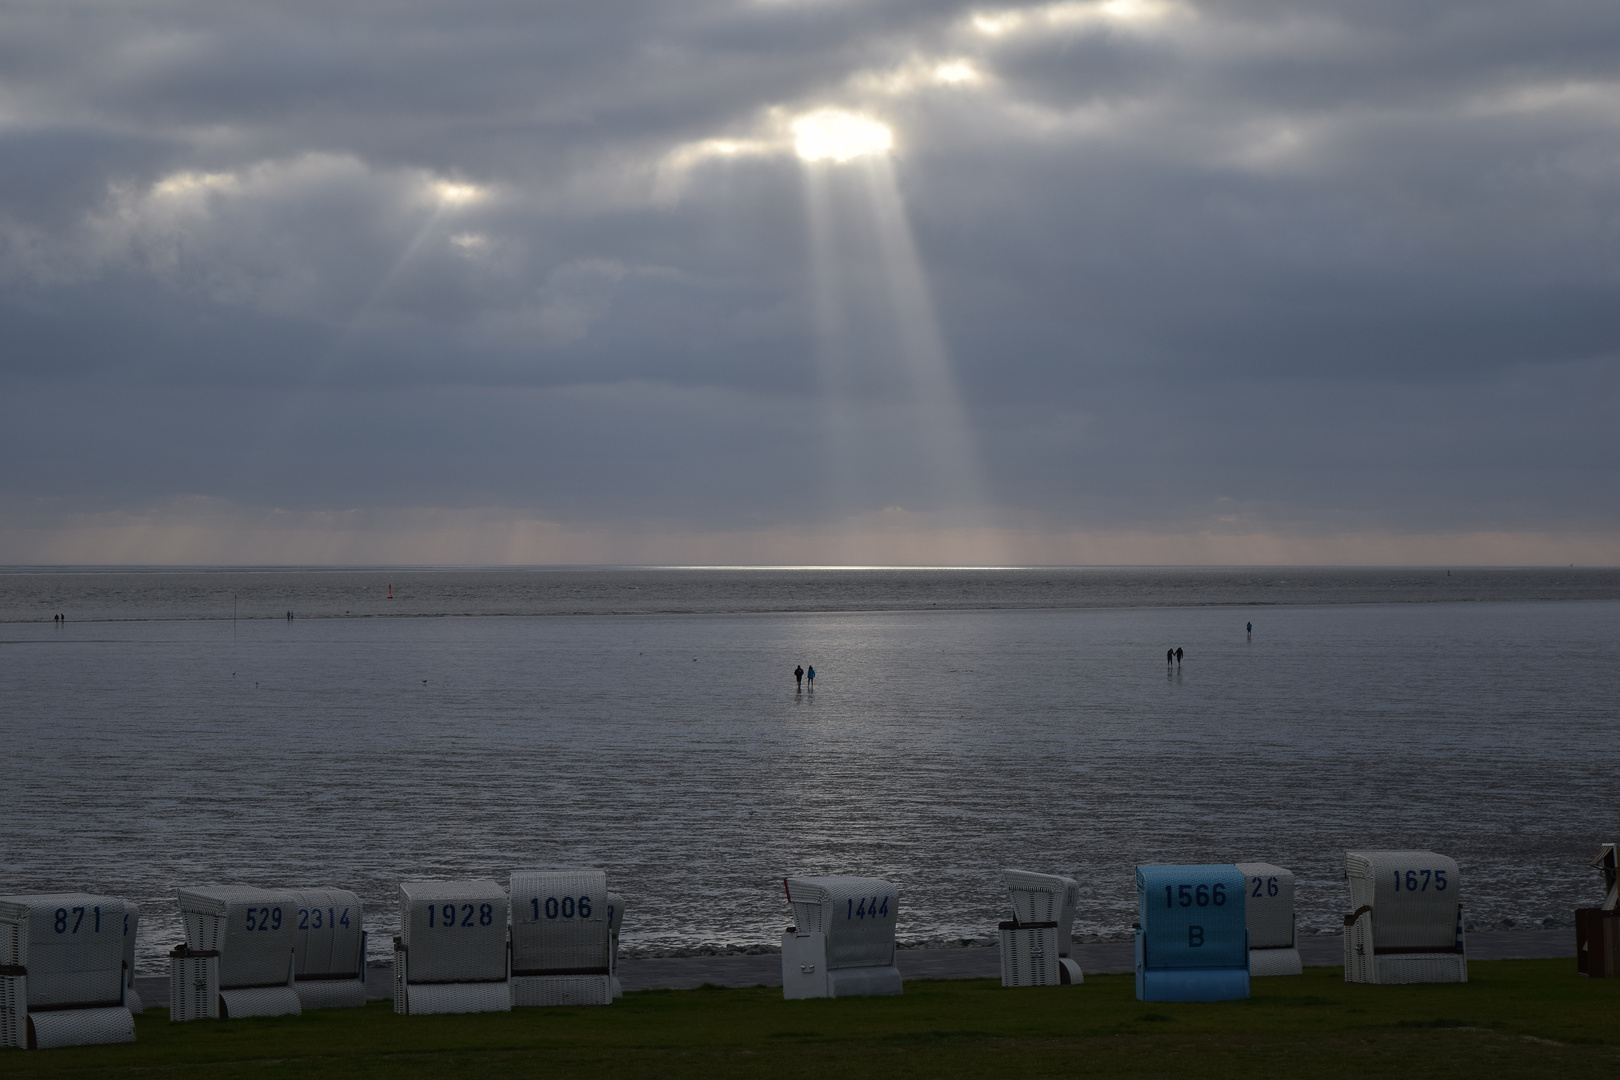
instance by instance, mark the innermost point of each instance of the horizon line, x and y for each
(740, 567)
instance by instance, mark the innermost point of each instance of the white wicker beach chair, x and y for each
(193, 984)
(1036, 944)
(254, 932)
(842, 943)
(62, 972)
(1268, 908)
(329, 950)
(1406, 926)
(561, 938)
(452, 954)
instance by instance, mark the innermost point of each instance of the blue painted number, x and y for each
(868, 909)
(1189, 895)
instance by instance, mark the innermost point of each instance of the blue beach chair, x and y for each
(1192, 942)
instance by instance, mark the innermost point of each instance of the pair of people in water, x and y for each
(1172, 656)
(800, 675)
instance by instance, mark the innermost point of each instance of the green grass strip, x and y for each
(1513, 1018)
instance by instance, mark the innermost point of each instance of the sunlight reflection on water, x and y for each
(937, 748)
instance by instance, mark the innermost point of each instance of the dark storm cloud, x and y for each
(1325, 265)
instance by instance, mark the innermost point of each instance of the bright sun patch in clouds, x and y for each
(836, 135)
(1120, 13)
(957, 73)
(453, 194)
(191, 184)
(917, 75)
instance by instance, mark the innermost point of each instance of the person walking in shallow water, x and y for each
(810, 676)
(1178, 656)
(1169, 656)
(798, 677)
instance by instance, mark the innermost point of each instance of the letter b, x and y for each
(1195, 937)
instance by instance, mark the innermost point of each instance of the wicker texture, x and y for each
(1407, 923)
(13, 1010)
(562, 938)
(804, 964)
(253, 930)
(72, 945)
(1424, 916)
(1040, 898)
(1275, 962)
(560, 923)
(330, 993)
(1268, 905)
(1029, 956)
(539, 990)
(401, 998)
(857, 915)
(1199, 922)
(428, 998)
(132, 925)
(422, 999)
(1422, 968)
(1364, 963)
(329, 934)
(1193, 940)
(259, 1001)
(469, 945)
(193, 986)
(80, 1027)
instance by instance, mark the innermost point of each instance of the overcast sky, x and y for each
(809, 281)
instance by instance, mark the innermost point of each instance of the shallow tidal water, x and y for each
(937, 747)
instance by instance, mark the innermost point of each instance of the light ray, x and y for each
(444, 198)
(840, 429)
(858, 224)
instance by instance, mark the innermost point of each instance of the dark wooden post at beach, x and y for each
(1597, 930)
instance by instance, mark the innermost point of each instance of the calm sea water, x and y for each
(1028, 720)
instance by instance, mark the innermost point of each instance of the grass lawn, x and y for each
(1514, 1018)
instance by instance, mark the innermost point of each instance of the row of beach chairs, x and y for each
(551, 938)
(1204, 931)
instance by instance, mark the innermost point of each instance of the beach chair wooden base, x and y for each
(1283, 961)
